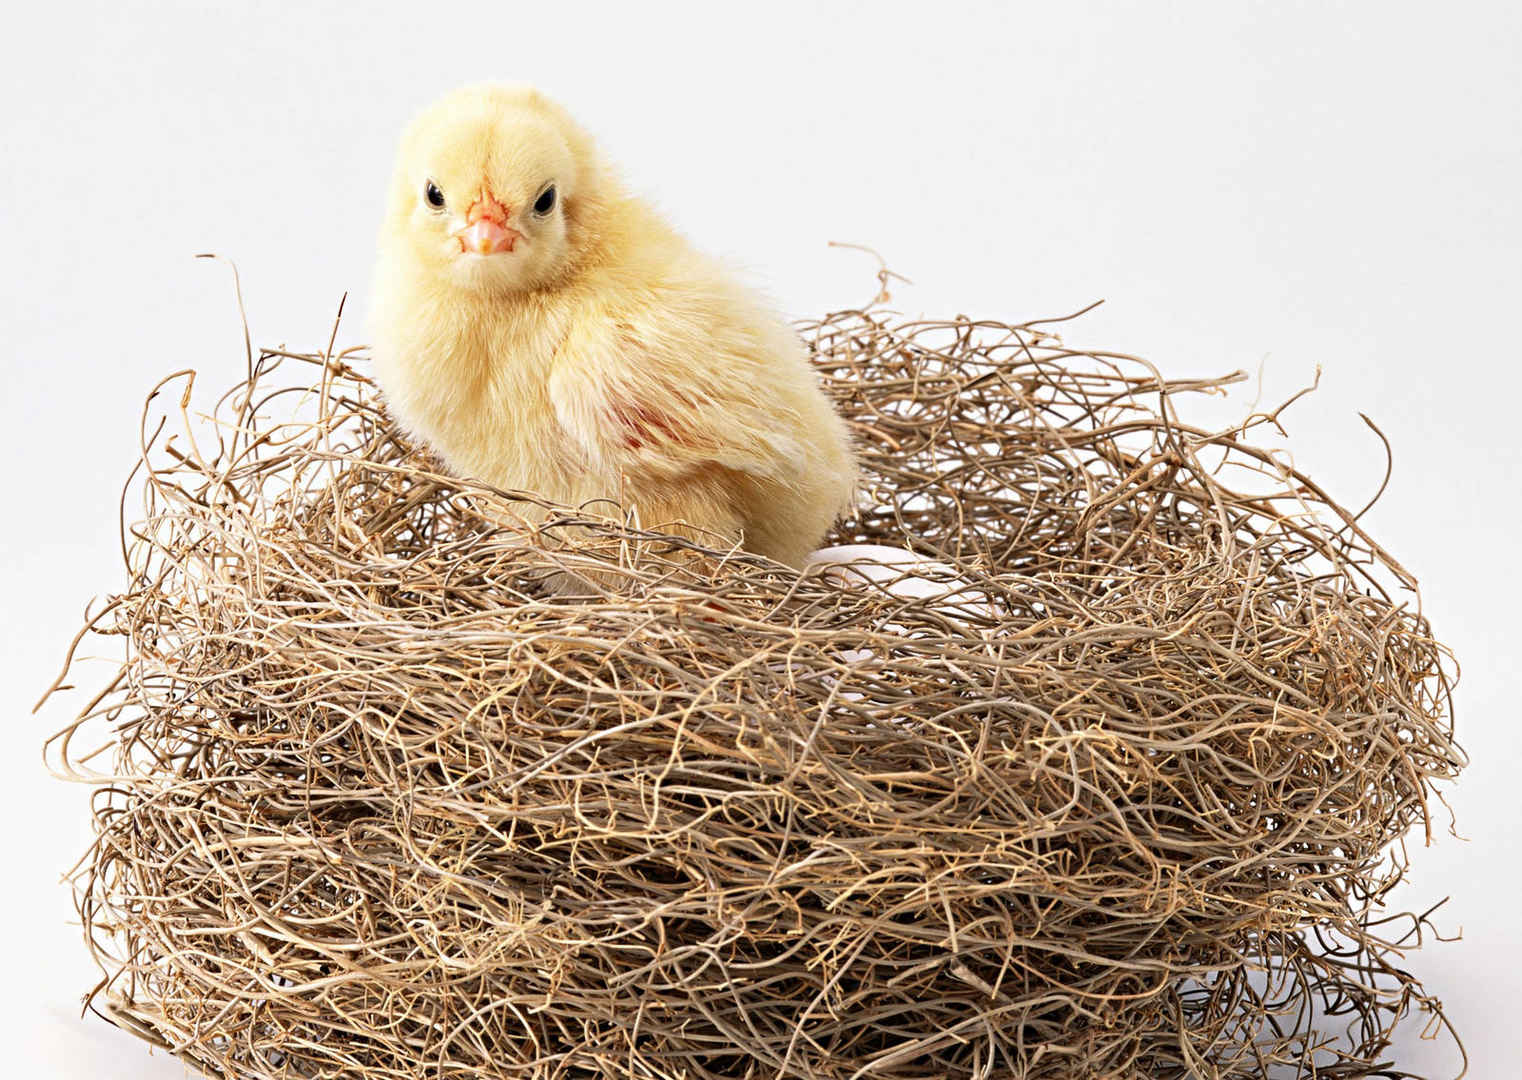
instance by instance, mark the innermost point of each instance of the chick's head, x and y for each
(495, 189)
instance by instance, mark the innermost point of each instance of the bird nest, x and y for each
(1118, 792)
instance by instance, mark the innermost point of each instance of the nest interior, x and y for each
(1122, 796)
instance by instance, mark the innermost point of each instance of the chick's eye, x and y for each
(546, 201)
(433, 196)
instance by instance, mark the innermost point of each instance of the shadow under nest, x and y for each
(1119, 800)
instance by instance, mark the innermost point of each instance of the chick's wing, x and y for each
(636, 400)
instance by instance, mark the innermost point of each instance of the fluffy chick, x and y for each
(547, 332)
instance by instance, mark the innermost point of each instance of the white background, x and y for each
(1302, 183)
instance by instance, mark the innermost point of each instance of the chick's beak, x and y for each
(486, 231)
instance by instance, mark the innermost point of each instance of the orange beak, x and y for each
(487, 231)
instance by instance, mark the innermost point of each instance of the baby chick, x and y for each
(545, 331)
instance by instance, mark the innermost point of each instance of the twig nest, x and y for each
(1114, 798)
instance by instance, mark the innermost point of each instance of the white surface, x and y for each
(1315, 183)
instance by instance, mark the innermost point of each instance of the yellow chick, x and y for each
(545, 331)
